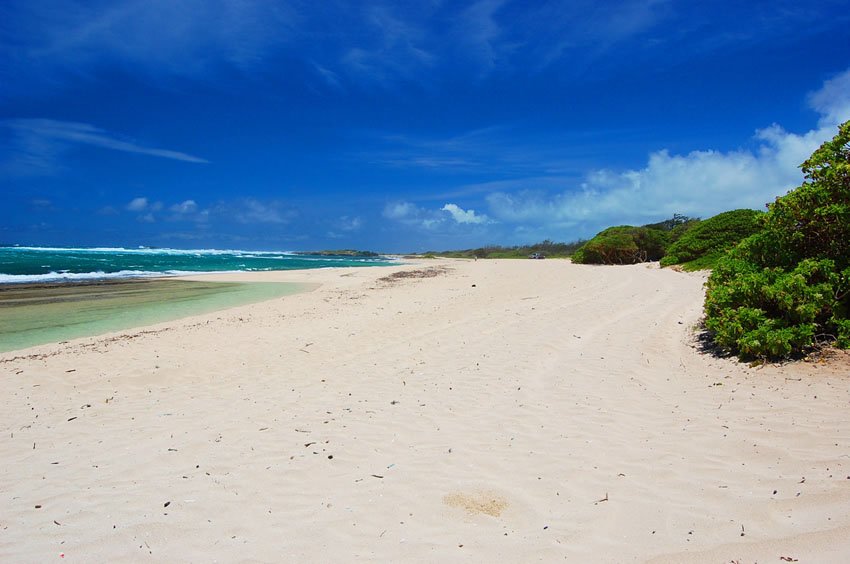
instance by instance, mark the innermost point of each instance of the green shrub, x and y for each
(679, 230)
(788, 285)
(627, 244)
(549, 248)
(702, 243)
(623, 245)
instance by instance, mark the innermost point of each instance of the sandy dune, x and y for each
(510, 411)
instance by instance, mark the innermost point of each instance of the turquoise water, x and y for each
(45, 313)
(39, 264)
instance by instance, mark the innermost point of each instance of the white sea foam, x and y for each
(82, 276)
(195, 252)
(152, 251)
(147, 262)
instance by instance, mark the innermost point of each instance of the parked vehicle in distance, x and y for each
(537, 256)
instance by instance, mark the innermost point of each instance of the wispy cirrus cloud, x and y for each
(395, 46)
(37, 144)
(505, 150)
(156, 37)
(380, 43)
(578, 32)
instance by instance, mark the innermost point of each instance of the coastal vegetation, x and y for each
(339, 253)
(787, 287)
(626, 244)
(705, 242)
(548, 248)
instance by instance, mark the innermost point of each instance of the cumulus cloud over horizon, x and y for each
(450, 216)
(699, 183)
(465, 216)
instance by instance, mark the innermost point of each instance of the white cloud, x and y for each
(137, 204)
(832, 101)
(465, 216)
(449, 218)
(187, 210)
(700, 183)
(186, 207)
(347, 223)
(412, 215)
(399, 210)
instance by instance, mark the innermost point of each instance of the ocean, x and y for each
(50, 295)
(56, 264)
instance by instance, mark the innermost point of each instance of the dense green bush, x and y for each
(704, 242)
(679, 230)
(788, 286)
(624, 244)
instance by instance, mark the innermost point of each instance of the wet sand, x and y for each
(34, 314)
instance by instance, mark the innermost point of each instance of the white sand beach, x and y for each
(510, 411)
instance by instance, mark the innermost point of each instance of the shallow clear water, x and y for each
(37, 314)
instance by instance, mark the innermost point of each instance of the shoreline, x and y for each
(48, 313)
(464, 411)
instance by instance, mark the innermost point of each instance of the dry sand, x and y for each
(512, 411)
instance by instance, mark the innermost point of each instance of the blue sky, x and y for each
(403, 126)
